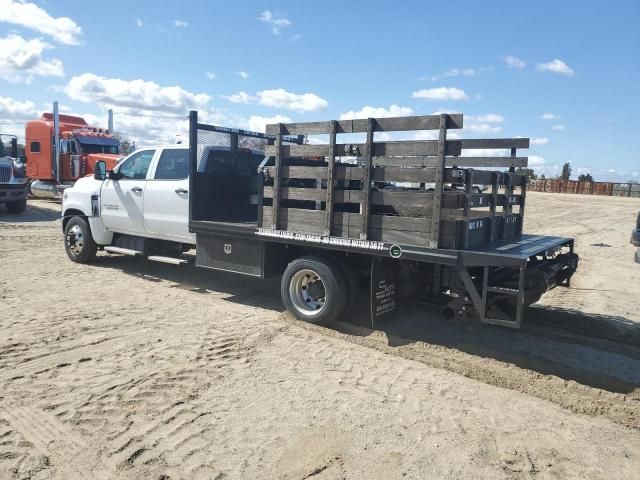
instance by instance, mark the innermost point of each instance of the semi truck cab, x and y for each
(13, 181)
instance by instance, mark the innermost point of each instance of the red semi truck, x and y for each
(59, 149)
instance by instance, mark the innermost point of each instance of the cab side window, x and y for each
(173, 164)
(137, 165)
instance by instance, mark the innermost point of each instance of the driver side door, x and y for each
(122, 200)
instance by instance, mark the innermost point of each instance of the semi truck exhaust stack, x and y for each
(56, 143)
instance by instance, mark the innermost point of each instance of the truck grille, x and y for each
(5, 173)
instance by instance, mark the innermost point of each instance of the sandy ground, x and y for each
(131, 369)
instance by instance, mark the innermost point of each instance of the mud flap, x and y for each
(384, 289)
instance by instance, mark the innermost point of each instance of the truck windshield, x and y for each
(3, 151)
(91, 148)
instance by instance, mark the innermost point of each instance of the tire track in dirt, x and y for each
(578, 398)
(71, 456)
(70, 355)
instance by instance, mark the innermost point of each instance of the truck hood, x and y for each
(110, 159)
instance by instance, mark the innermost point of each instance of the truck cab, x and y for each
(52, 166)
(13, 181)
(141, 205)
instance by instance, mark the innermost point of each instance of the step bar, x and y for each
(138, 253)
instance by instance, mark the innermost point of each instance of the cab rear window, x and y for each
(173, 164)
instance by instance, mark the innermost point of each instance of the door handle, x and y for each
(181, 190)
(136, 189)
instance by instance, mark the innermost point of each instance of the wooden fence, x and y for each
(586, 188)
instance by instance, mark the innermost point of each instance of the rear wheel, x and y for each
(78, 241)
(18, 206)
(314, 289)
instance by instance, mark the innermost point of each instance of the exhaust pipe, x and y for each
(110, 121)
(56, 143)
(44, 189)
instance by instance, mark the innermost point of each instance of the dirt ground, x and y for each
(132, 369)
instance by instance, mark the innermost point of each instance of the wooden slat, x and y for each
(499, 162)
(320, 172)
(366, 181)
(393, 124)
(312, 221)
(380, 149)
(379, 174)
(291, 193)
(494, 204)
(460, 214)
(277, 178)
(495, 143)
(330, 178)
(468, 192)
(399, 174)
(438, 178)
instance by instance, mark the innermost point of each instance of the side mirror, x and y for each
(14, 147)
(100, 170)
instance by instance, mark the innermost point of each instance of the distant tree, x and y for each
(585, 177)
(566, 172)
(527, 172)
(543, 177)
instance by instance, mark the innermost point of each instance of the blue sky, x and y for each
(246, 63)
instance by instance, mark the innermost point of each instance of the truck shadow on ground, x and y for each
(602, 364)
(31, 214)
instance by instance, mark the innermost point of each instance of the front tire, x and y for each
(314, 290)
(18, 206)
(78, 241)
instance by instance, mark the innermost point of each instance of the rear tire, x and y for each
(314, 290)
(18, 206)
(78, 241)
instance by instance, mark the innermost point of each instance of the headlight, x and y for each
(18, 169)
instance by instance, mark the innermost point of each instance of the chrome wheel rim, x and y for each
(307, 293)
(75, 240)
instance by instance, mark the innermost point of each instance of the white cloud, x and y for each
(181, 23)
(487, 123)
(440, 93)
(514, 62)
(142, 94)
(280, 98)
(539, 141)
(559, 128)
(275, 21)
(487, 118)
(139, 22)
(377, 112)
(454, 72)
(549, 116)
(240, 97)
(210, 75)
(258, 123)
(555, 66)
(243, 75)
(34, 17)
(13, 114)
(536, 161)
(21, 59)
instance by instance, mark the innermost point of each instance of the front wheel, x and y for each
(18, 206)
(314, 289)
(78, 241)
(476, 190)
